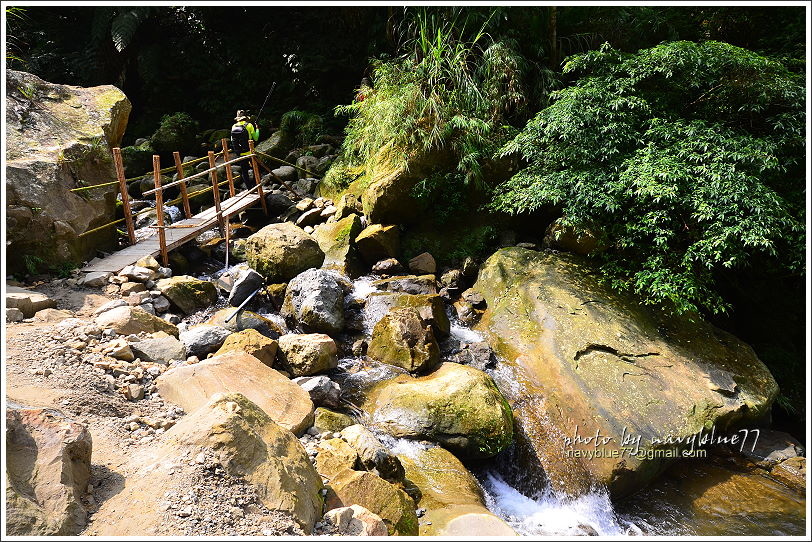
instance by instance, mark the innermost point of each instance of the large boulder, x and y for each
(231, 432)
(576, 355)
(430, 307)
(372, 453)
(389, 502)
(315, 300)
(251, 342)
(308, 354)
(203, 339)
(191, 386)
(281, 251)
(378, 242)
(454, 503)
(400, 338)
(337, 240)
(159, 348)
(43, 218)
(187, 293)
(48, 469)
(27, 301)
(131, 320)
(456, 406)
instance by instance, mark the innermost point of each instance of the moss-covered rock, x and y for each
(374, 493)
(430, 307)
(400, 338)
(337, 241)
(378, 242)
(456, 406)
(281, 251)
(578, 354)
(188, 293)
(442, 478)
(330, 421)
(334, 456)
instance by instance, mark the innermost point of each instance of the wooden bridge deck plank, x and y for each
(174, 236)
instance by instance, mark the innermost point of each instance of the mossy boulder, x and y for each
(251, 342)
(337, 241)
(401, 338)
(378, 242)
(577, 354)
(330, 421)
(188, 293)
(334, 456)
(430, 307)
(281, 251)
(129, 320)
(377, 495)
(456, 406)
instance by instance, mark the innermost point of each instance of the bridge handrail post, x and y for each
(216, 192)
(125, 195)
(256, 177)
(159, 208)
(229, 173)
(187, 210)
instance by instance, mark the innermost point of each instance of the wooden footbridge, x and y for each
(167, 237)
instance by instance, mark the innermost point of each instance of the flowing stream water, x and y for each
(667, 507)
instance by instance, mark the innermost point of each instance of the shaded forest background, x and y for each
(209, 61)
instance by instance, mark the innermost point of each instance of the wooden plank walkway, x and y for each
(174, 236)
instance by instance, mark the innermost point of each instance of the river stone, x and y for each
(337, 240)
(28, 301)
(401, 339)
(245, 284)
(423, 264)
(231, 431)
(566, 238)
(309, 218)
(131, 288)
(587, 357)
(159, 348)
(388, 267)
(43, 217)
(277, 203)
(14, 314)
(133, 320)
(149, 262)
(348, 204)
(48, 470)
(190, 386)
(792, 473)
(281, 251)
(315, 299)
(374, 493)
(333, 456)
(770, 448)
(203, 339)
(464, 520)
(408, 284)
(356, 520)
(321, 389)
(458, 407)
(309, 354)
(430, 307)
(245, 320)
(378, 242)
(96, 279)
(137, 273)
(188, 293)
(330, 421)
(372, 453)
(251, 342)
(51, 315)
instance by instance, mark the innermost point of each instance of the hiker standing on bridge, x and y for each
(241, 131)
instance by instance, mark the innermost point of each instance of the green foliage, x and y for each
(125, 23)
(438, 95)
(441, 196)
(177, 132)
(452, 245)
(304, 127)
(32, 263)
(687, 156)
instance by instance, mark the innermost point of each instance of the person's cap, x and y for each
(241, 115)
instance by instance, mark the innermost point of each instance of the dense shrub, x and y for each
(175, 133)
(688, 157)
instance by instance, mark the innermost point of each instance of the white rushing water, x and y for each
(554, 515)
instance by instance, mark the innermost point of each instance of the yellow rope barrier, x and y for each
(172, 202)
(165, 170)
(287, 163)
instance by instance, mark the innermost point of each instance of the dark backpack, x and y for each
(239, 138)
